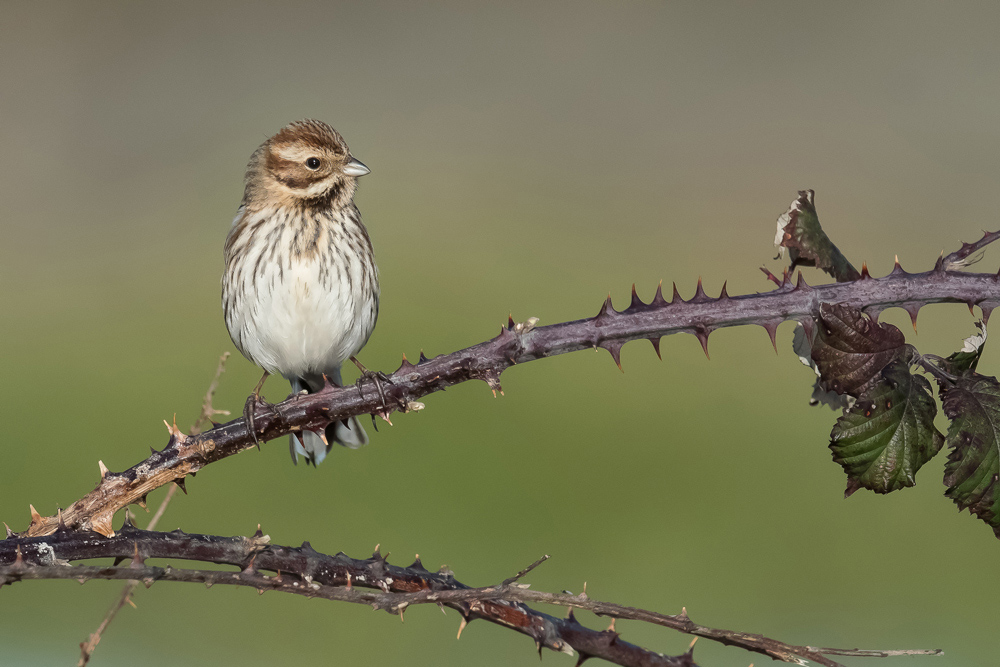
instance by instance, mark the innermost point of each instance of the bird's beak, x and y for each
(356, 168)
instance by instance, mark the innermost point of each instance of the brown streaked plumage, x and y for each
(300, 289)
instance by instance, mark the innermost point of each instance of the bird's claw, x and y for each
(380, 379)
(254, 401)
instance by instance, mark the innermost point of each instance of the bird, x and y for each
(300, 289)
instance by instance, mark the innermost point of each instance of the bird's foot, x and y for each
(379, 378)
(255, 402)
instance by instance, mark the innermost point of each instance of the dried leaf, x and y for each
(851, 350)
(808, 245)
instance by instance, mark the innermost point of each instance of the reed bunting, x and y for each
(300, 290)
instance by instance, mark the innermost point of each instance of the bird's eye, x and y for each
(313, 163)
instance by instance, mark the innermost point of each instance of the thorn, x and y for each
(691, 645)
(724, 294)
(103, 468)
(259, 532)
(913, 309)
(35, 516)
(786, 278)
(864, 271)
(251, 567)
(461, 626)
(614, 347)
(772, 332)
(939, 264)
(422, 358)
(606, 309)
(684, 614)
(19, 559)
(10, 533)
(702, 334)
(137, 559)
(658, 297)
(986, 313)
(676, 298)
(656, 347)
(971, 312)
(141, 502)
(510, 320)
(699, 293)
(401, 610)
(636, 301)
(180, 482)
(800, 282)
(611, 628)
(348, 581)
(102, 524)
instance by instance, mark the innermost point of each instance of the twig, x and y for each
(508, 582)
(516, 344)
(964, 256)
(374, 582)
(207, 412)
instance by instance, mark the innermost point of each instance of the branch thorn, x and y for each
(658, 297)
(702, 335)
(103, 468)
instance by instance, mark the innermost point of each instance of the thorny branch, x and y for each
(374, 582)
(517, 344)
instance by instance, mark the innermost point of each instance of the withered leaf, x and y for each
(851, 350)
(799, 231)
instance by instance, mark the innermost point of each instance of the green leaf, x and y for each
(808, 244)
(973, 405)
(885, 438)
(967, 358)
(851, 350)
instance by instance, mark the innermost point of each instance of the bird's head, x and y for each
(305, 162)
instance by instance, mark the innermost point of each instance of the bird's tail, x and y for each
(313, 447)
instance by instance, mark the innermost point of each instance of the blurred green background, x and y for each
(526, 158)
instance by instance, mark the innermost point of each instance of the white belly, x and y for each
(306, 317)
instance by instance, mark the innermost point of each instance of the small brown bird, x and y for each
(300, 290)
